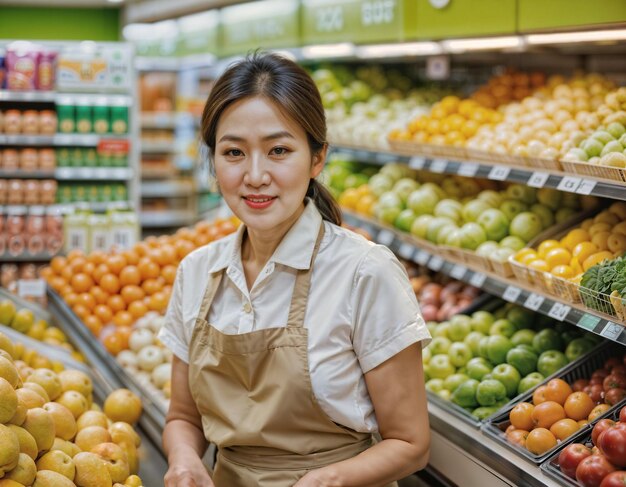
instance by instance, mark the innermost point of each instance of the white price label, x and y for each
(385, 237)
(499, 173)
(586, 186)
(438, 165)
(511, 293)
(436, 263)
(31, 288)
(478, 279)
(458, 271)
(559, 311)
(417, 162)
(421, 257)
(534, 301)
(468, 169)
(406, 251)
(569, 183)
(538, 179)
(611, 331)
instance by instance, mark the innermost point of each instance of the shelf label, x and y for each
(499, 173)
(588, 322)
(436, 263)
(611, 330)
(538, 179)
(417, 162)
(438, 67)
(438, 165)
(421, 257)
(569, 183)
(559, 311)
(511, 293)
(477, 279)
(534, 301)
(385, 237)
(31, 288)
(586, 186)
(406, 251)
(458, 271)
(468, 169)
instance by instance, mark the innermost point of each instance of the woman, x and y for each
(295, 340)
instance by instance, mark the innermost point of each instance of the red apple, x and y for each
(571, 456)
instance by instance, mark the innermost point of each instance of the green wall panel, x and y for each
(462, 18)
(97, 24)
(549, 14)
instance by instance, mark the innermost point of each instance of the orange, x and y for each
(97, 257)
(67, 273)
(539, 396)
(65, 290)
(110, 283)
(46, 273)
(113, 343)
(77, 264)
(104, 313)
(94, 324)
(87, 300)
(152, 241)
(167, 256)
(132, 257)
(88, 268)
(158, 302)
(546, 246)
(547, 413)
(601, 240)
(202, 239)
(521, 416)
(58, 263)
(539, 265)
(540, 440)
(596, 259)
(558, 256)
(598, 411)
(214, 232)
(578, 405)
(74, 253)
(137, 309)
(99, 295)
(563, 271)
(151, 286)
(116, 303)
(99, 272)
(169, 274)
(123, 333)
(130, 275)
(81, 311)
(183, 247)
(82, 283)
(141, 249)
(517, 437)
(557, 390)
(123, 318)
(574, 237)
(564, 428)
(71, 299)
(148, 269)
(116, 263)
(584, 250)
(132, 293)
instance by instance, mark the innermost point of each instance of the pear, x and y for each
(48, 478)
(10, 451)
(27, 443)
(49, 380)
(25, 471)
(40, 424)
(91, 471)
(91, 436)
(8, 401)
(64, 422)
(58, 462)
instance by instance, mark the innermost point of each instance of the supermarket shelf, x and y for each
(167, 218)
(94, 173)
(157, 147)
(535, 178)
(507, 288)
(158, 120)
(73, 140)
(26, 257)
(27, 174)
(165, 189)
(53, 96)
(63, 208)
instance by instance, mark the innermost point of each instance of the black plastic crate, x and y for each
(582, 368)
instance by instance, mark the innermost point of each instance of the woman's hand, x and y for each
(314, 478)
(187, 470)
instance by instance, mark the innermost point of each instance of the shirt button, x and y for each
(247, 307)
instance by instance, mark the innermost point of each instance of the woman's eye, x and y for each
(279, 151)
(234, 153)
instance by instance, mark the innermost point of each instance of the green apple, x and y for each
(442, 330)
(490, 391)
(526, 226)
(616, 129)
(460, 327)
(405, 220)
(497, 348)
(483, 348)
(379, 184)
(459, 354)
(602, 136)
(473, 209)
(530, 381)
(487, 249)
(523, 193)
(420, 225)
(436, 189)
(444, 394)
(512, 242)
(592, 147)
(520, 317)
(484, 412)
(426, 354)
(465, 394)
(503, 327)
(445, 233)
(482, 321)
(550, 198)
(435, 226)
(494, 223)
(512, 208)
(450, 209)
(7, 312)
(570, 335)
(440, 367)
(509, 376)
(547, 339)
(473, 340)
(404, 187)
(453, 381)
(492, 198)
(434, 385)
(472, 235)
(524, 360)
(478, 367)
(453, 239)
(564, 214)
(439, 345)
(550, 362)
(578, 347)
(356, 180)
(544, 213)
(523, 337)
(432, 326)
(423, 201)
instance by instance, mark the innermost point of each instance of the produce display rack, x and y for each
(506, 288)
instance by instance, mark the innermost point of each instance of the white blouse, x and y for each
(361, 309)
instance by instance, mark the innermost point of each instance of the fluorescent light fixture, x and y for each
(342, 49)
(115, 1)
(138, 32)
(286, 53)
(201, 21)
(402, 49)
(573, 37)
(482, 44)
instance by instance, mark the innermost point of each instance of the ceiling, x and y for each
(64, 3)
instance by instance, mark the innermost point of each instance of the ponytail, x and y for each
(324, 201)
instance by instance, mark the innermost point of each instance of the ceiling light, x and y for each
(403, 49)
(115, 1)
(482, 44)
(343, 49)
(573, 37)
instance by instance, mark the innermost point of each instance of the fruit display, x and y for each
(111, 291)
(54, 434)
(509, 86)
(10, 274)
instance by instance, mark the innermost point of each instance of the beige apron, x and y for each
(254, 394)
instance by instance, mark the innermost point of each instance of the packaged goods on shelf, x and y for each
(12, 274)
(85, 115)
(89, 232)
(33, 234)
(28, 122)
(29, 66)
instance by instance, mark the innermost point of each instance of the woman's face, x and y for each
(263, 164)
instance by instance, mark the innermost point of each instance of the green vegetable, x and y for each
(608, 278)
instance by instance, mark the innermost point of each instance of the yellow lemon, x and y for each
(546, 246)
(596, 259)
(558, 256)
(522, 253)
(349, 198)
(539, 265)
(607, 217)
(584, 250)
(574, 237)
(601, 240)
(576, 265)
(365, 205)
(563, 271)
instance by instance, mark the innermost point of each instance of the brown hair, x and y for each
(293, 90)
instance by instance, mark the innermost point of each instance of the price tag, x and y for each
(569, 183)
(458, 271)
(559, 311)
(468, 169)
(538, 179)
(588, 322)
(417, 162)
(385, 237)
(511, 293)
(534, 301)
(31, 288)
(436, 263)
(499, 173)
(477, 279)
(421, 257)
(438, 165)
(406, 251)
(586, 186)
(611, 330)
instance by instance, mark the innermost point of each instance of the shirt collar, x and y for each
(295, 250)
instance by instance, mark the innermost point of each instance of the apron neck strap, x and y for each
(209, 294)
(300, 294)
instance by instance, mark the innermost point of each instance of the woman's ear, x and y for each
(319, 159)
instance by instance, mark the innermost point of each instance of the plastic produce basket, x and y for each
(541, 163)
(476, 261)
(581, 368)
(595, 171)
(612, 305)
(503, 269)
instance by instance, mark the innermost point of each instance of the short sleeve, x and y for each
(386, 316)
(172, 334)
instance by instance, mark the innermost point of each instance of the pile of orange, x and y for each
(507, 87)
(118, 288)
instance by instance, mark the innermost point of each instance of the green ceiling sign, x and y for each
(544, 15)
(198, 34)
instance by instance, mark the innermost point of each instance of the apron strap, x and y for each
(300, 294)
(211, 289)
